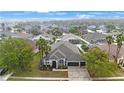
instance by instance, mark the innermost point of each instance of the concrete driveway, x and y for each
(78, 74)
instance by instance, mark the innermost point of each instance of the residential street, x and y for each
(78, 74)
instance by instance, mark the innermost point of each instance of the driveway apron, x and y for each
(78, 74)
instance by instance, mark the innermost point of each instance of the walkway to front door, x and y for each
(76, 73)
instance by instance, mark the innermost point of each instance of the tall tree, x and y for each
(15, 54)
(43, 47)
(47, 49)
(110, 27)
(119, 40)
(109, 40)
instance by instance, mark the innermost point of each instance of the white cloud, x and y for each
(85, 16)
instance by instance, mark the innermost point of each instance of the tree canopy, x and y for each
(56, 32)
(98, 65)
(15, 54)
(75, 30)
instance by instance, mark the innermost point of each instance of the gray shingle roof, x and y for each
(66, 44)
(67, 49)
(93, 36)
(59, 55)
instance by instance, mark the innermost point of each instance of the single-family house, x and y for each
(63, 53)
(74, 39)
(45, 36)
(95, 38)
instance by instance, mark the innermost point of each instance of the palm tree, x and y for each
(119, 40)
(41, 46)
(47, 49)
(109, 40)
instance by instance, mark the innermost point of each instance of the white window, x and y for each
(61, 62)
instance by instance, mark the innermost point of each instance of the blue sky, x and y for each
(60, 15)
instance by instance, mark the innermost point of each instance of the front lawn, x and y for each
(35, 72)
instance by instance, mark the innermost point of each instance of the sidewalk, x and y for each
(41, 78)
(108, 78)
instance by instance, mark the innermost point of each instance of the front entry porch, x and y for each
(53, 64)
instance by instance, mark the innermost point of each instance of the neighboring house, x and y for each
(73, 39)
(92, 27)
(102, 29)
(95, 38)
(63, 54)
(113, 49)
(45, 36)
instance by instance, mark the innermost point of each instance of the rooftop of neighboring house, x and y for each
(94, 37)
(113, 49)
(65, 49)
(44, 36)
(67, 37)
(112, 33)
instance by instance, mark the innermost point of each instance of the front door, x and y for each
(53, 64)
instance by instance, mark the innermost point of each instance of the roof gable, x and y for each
(65, 50)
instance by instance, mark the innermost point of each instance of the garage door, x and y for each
(73, 63)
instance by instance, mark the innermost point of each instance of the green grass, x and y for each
(35, 72)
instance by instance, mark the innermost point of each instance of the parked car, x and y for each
(3, 71)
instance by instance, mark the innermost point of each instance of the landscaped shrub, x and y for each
(62, 67)
(84, 47)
